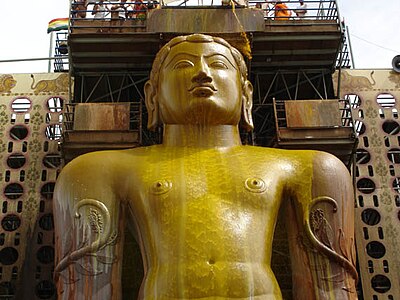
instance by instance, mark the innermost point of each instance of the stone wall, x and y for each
(30, 128)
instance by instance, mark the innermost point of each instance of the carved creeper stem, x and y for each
(99, 226)
(319, 246)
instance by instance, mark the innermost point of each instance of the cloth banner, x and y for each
(57, 24)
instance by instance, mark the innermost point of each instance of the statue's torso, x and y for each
(206, 220)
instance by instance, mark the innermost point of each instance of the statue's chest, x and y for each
(216, 180)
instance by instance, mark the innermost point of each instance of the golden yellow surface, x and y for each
(202, 206)
(205, 217)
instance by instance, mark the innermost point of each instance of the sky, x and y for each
(374, 31)
(373, 27)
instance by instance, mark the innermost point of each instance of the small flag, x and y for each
(57, 24)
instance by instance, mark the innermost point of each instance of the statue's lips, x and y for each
(202, 90)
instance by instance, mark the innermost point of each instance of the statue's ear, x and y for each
(152, 105)
(247, 105)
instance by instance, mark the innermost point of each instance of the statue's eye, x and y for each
(218, 64)
(182, 64)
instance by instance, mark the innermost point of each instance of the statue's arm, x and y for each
(321, 231)
(88, 220)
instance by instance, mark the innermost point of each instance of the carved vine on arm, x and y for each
(98, 221)
(317, 229)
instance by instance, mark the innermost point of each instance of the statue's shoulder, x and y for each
(321, 164)
(112, 156)
(298, 159)
(103, 163)
(296, 156)
(326, 165)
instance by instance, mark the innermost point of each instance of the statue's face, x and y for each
(200, 84)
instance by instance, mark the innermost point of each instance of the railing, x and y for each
(289, 10)
(346, 114)
(111, 14)
(112, 10)
(138, 10)
(344, 57)
(60, 52)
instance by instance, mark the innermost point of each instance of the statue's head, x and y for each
(199, 79)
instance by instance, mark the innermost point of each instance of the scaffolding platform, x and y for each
(100, 126)
(324, 125)
(131, 45)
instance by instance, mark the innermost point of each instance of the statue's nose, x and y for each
(201, 77)
(202, 73)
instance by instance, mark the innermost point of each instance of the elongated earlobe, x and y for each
(247, 105)
(151, 105)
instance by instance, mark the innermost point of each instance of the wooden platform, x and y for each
(340, 142)
(76, 143)
(315, 125)
(98, 126)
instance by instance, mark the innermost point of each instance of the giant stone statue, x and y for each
(202, 206)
